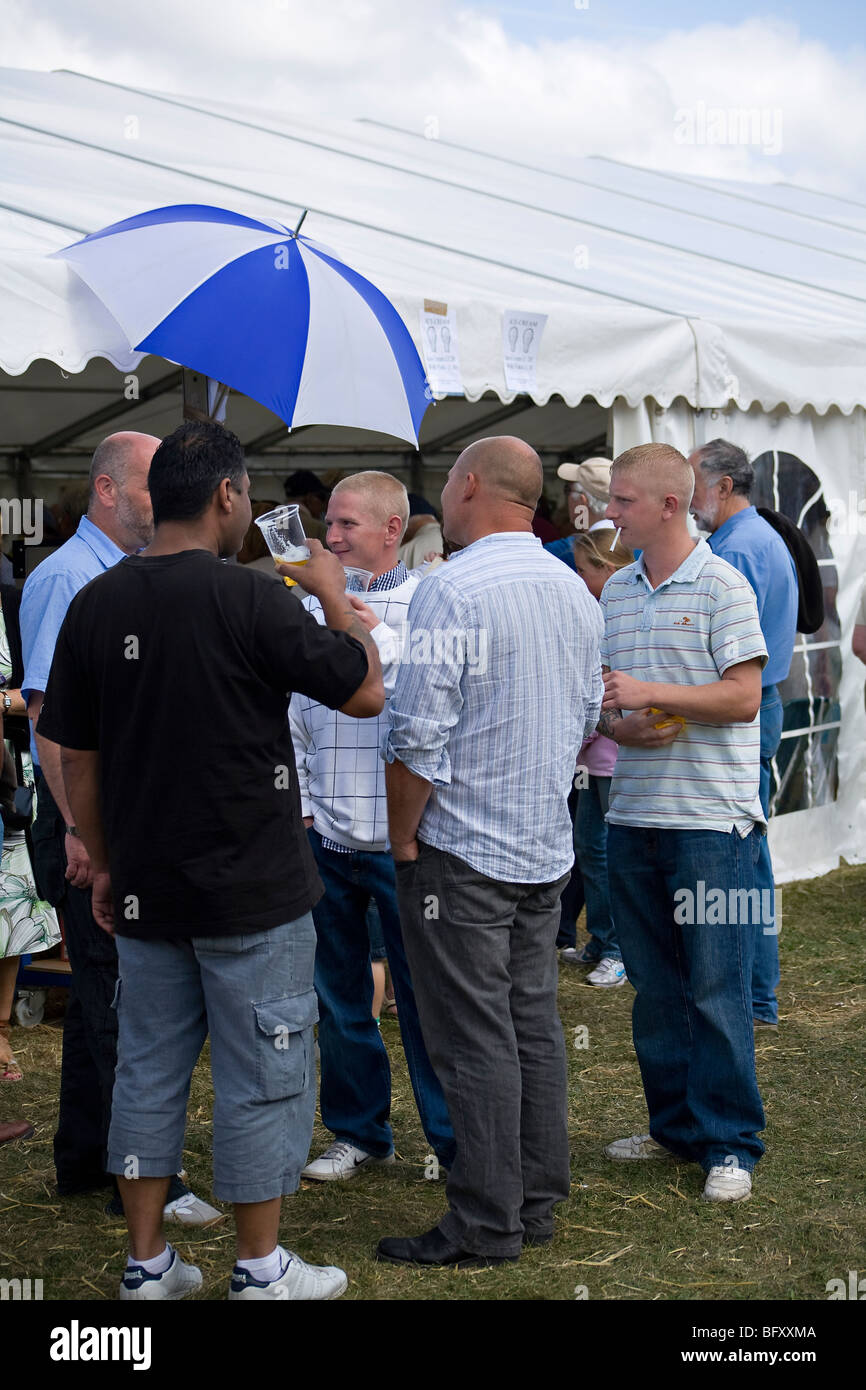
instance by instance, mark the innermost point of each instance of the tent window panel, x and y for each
(816, 671)
(805, 770)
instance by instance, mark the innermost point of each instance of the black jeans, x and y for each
(573, 898)
(483, 960)
(90, 1026)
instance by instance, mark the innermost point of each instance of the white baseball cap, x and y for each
(593, 475)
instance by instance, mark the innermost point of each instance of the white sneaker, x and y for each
(176, 1282)
(727, 1184)
(637, 1146)
(297, 1281)
(608, 974)
(342, 1161)
(190, 1210)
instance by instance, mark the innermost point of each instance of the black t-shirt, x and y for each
(178, 669)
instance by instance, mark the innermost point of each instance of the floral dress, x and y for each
(27, 924)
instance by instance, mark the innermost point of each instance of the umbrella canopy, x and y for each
(271, 313)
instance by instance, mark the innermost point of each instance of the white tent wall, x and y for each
(738, 308)
(808, 842)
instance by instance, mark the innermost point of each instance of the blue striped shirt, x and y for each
(689, 630)
(498, 687)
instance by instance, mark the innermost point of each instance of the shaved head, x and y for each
(493, 486)
(659, 468)
(117, 453)
(507, 468)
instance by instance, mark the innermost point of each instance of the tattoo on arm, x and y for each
(607, 721)
(357, 629)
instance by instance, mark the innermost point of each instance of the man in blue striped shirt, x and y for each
(500, 685)
(682, 653)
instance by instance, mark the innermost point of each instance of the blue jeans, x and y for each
(765, 973)
(253, 994)
(692, 1017)
(355, 1088)
(590, 847)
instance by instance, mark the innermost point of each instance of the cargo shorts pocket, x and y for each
(284, 1045)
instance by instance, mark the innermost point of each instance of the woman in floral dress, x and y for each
(27, 924)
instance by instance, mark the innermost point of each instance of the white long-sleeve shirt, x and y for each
(340, 769)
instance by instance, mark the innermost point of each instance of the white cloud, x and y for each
(403, 61)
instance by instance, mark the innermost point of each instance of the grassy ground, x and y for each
(627, 1232)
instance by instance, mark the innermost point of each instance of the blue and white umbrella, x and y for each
(251, 303)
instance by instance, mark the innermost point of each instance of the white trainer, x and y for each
(190, 1210)
(342, 1161)
(608, 974)
(727, 1183)
(297, 1281)
(175, 1282)
(637, 1146)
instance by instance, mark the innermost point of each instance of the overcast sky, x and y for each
(662, 83)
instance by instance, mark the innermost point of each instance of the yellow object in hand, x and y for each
(289, 583)
(670, 719)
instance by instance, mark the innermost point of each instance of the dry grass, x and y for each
(625, 1233)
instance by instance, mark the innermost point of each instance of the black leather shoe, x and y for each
(537, 1237)
(434, 1249)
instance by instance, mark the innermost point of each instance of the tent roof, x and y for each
(656, 285)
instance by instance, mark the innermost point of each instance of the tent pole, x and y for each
(203, 397)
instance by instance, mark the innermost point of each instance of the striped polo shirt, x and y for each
(699, 622)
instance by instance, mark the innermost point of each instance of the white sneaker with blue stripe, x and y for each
(298, 1281)
(608, 974)
(175, 1282)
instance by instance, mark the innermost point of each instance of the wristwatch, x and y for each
(7, 702)
(73, 830)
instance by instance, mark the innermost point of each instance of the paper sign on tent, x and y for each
(521, 336)
(440, 347)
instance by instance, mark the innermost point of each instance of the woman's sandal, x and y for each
(389, 1007)
(9, 1068)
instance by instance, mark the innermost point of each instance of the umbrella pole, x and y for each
(203, 397)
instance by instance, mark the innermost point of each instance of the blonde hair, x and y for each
(660, 467)
(383, 495)
(598, 555)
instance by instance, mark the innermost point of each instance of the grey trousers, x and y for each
(484, 967)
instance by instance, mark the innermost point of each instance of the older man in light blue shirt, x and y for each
(499, 687)
(723, 484)
(47, 595)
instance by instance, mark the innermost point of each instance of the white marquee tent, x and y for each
(676, 308)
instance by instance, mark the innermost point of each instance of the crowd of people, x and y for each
(236, 790)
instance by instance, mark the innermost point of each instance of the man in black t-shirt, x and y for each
(168, 695)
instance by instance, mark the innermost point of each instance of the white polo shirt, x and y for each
(689, 631)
